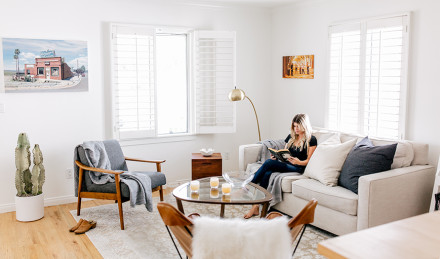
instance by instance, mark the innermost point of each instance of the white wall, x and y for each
(60, 121)
(302, 28)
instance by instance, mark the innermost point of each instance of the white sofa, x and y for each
(399, 193)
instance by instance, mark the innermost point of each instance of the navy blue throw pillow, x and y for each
(363, 159)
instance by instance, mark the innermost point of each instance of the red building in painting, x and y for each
(48, 68)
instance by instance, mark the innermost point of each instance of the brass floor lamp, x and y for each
(239, 95)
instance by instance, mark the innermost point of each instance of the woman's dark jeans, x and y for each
(262, 176)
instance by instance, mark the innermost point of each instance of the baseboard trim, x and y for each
(47, 202)
(60, 200)
(7, 207)
(71, 198)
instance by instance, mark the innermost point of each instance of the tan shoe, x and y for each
(85, 226)
(76, 226)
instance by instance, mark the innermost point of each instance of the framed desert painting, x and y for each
(39, 65)
(299, 66)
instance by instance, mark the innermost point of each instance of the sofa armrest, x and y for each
(248, 154)
(395, 194)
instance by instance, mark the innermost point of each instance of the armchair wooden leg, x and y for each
(118, 194)
(161, 192)
(121, 214)
(78, 208)
(80, 177)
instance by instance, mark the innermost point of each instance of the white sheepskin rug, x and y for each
(238, 238)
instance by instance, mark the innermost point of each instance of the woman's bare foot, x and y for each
(255, 211)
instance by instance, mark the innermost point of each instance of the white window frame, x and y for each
(404, 73)
(191, 92)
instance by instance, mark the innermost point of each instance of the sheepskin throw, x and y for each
(238, 238)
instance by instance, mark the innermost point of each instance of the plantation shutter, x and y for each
(345, 57)
(214, 78)
(367, 78)
(133, 77)
(385, 77)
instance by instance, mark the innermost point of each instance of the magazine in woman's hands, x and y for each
(283, 154)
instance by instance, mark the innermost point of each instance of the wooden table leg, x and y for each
(179, 205)
(264, 210)
(222, 211)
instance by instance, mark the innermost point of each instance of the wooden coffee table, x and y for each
(250, 195)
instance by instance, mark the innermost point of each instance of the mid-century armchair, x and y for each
(305, 217)
(182, 226)
(117, 190)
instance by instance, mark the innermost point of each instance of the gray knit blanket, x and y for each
(97, 157)
(139, 185)
(268, 143)
(274, 186)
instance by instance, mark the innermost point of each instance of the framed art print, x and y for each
(299, 66)
(39, 65)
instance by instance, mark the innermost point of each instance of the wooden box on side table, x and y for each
(206, 166)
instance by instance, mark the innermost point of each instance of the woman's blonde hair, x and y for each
(304, 123)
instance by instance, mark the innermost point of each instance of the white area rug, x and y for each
(145, 235)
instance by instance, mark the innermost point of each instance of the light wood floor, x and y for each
(48, 237)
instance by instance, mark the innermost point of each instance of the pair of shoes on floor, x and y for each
(83, 226)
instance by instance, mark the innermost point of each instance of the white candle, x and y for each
(226, 188)
(194, 185)
(214, 182)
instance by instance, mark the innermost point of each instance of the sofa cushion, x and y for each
(336, 198)
(421, 153)
(286, 183)
(404, 152)
(364, 159)
(326, 162)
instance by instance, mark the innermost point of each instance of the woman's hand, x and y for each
(293, 160)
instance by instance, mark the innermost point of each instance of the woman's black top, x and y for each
(297, 152)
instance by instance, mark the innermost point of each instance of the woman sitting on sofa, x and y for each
(301, 145)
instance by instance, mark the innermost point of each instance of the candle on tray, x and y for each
(194, 185)
(226, 188)
(214, 182)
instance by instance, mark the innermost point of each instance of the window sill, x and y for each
(157, 140)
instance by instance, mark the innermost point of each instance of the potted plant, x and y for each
(29, 201)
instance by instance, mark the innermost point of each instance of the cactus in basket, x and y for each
(27, 183)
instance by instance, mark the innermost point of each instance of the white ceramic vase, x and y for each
(29, 208)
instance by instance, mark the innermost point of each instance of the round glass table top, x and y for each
(250, 194)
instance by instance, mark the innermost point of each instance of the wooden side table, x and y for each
(206, 166)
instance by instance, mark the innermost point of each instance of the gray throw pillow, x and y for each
(364, 159)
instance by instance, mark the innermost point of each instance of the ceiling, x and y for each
(260, 3)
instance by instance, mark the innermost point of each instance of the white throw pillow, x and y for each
(323, 137)
(331, 140)
(404, 155)
(238, 238)
(326, 163)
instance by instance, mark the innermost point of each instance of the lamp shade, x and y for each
(236, 95)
